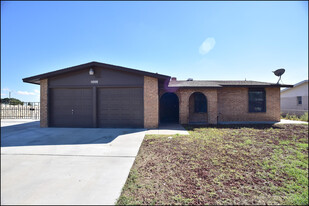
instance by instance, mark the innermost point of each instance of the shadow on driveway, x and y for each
(30, 134)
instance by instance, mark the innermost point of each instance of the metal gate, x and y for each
(28, 110)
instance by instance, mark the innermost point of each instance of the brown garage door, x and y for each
(70, 107)
(120, 107)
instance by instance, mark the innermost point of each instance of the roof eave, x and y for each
(220, 86)
(35, 79)
(31, 81)
(194, 86)
(272, 85)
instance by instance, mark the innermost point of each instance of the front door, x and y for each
(169, 108)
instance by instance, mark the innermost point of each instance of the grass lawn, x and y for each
(222, 165)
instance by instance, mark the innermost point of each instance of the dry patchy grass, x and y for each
(222, 165)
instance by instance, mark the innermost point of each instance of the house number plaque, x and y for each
(94, 81)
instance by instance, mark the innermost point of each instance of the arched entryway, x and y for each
(169, 108)
(198, 108)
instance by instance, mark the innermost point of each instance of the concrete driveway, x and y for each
(65, 165)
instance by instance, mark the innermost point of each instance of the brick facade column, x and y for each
(151, 102)
(44, 103)
(183, 96)
(279, 104)
(273, 103)
(212, 100)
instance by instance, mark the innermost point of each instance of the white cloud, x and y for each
(207, 45)
(36, 91)
(2, 94)
(25, 93)
(6, 89)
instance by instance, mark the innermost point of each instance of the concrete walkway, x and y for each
(168, 129)
(286, 121)
(282, 121)
(65, 165)
(11, 122)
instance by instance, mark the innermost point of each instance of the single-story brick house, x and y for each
(103, 95)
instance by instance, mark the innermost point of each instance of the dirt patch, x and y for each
(221, 165)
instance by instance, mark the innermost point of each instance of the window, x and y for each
(200, 102)
(299, 100)
(257, 100)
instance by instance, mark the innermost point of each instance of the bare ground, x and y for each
(222, 165)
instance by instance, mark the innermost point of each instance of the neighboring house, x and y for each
(295, 100)
(103, 95)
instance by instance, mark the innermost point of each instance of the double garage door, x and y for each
(103, 107)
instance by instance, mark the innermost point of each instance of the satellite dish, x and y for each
(279, 73)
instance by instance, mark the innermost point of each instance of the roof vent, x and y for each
(190, 79)
(173, 79)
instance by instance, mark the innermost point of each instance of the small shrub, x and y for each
(304, 117)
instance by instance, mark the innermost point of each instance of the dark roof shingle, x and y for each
(218, 84)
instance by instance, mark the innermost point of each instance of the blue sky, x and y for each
(199, 40)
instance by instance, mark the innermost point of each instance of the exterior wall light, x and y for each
(91, 72)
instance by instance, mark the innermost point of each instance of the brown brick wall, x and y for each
(44, 103)
(196, 117)
(184, 109)
(233, 105)
(151, 102)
